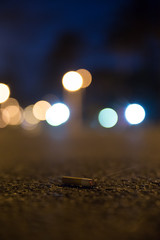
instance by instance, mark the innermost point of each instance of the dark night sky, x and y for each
(118, 41)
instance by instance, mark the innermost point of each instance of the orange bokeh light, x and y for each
(87, 77)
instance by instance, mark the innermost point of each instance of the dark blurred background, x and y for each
(117, 41)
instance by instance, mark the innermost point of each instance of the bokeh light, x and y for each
(57, 114)
(28, 115)
(72, 81)
(4, 118)
(40, 108)
(87, 77)
(12, 110)
(134, 113)
(10, 102)
(108, 118)
(4, 92)
(15, 114)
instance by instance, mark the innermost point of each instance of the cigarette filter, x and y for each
(76, 181)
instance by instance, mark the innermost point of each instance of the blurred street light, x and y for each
(28, 115)
(4, 118)
(57, 114)
(134, 113)
(108, 118)
(72, 81)
(4, 92)
(40, 108)
(86, 76)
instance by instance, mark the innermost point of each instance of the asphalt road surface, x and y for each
(124, 203)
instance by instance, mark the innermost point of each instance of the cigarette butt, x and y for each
(75, 181)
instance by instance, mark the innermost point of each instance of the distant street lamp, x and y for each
(4, 92)
(87, 77)
(134, 114)
(72, 83)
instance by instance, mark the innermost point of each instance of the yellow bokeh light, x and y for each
(72, 81)
(40, 108)
(13, 110)
(87, 77)
(16, 115)
(4, 92)
(4, 118)
(10, 102)
(28, 115)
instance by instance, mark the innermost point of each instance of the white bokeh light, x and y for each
(72, 81)
(134, 113)
(4, 92)
(108, 118)
(57, 114)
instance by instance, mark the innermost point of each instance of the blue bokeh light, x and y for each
(107, 117)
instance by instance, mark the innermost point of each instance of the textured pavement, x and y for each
(124, 204)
